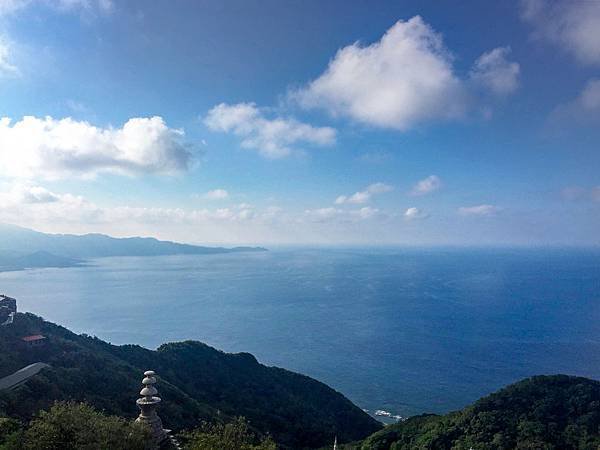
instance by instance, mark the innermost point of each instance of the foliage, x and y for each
(235, 435)
(197, 383)
(545, 412)
(77, 426)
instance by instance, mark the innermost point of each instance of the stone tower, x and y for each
(148, 404)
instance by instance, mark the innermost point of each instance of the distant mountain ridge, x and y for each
(22, 242)
(10, 260)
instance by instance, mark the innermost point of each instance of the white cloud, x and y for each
(573, 25)
(427, 185)
(479, 210)
(28, 204)
(51, 148)
(7, 68)
(495, 72)
(273, 138)
(414, 214)
(216, 194)
(27, 194)
(341, 215)
(596, 194)
(404, 79)
(364, 196)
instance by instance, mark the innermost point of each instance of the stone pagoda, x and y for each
(148, 404)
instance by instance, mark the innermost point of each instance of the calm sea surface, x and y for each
(403, 330)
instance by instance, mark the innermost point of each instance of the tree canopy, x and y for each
(543, 413)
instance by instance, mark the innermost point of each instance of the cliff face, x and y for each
(196, 383)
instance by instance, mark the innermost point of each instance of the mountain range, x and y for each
(22, 248)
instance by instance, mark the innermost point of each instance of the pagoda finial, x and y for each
(148, 404)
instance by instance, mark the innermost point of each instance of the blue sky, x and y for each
(303, 122)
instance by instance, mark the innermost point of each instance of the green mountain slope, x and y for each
(197, 383)
(545, 412)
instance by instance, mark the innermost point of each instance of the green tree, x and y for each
(231, 436)
(78, 426)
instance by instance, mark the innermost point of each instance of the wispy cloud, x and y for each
(576, 193)
(583, 110)
(495, 72)
(272, 137)
(364, 196)
(414, 214)
(7, 67)
(478, 210)
(58, 148)
(572, 25)
(216, 194)
(338, 214)
(85, 7)
(427, 185)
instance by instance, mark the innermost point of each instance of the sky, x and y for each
(303, 122)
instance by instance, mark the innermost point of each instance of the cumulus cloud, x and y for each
(404, 79)
(495, 72)
(216, 194)
(478, 210)
(414, 214)
(364, 196)
(57, 148)
(272, 137)
(572, 25)
(427, 185)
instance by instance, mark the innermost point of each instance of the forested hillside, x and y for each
(196, 383)
(544, 412)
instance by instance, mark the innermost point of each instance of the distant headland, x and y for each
(23, 248)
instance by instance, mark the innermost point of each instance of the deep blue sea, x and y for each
(405, 330)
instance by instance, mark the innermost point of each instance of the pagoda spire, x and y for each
(148, 404)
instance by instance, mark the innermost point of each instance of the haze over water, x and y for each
(406, 330)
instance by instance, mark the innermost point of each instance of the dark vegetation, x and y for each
(78, 426)
(197, 383)
(206, 391)
(540, 413)
(74, 426)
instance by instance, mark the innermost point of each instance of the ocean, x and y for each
(399, 329)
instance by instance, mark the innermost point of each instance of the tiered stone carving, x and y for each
(148, 404)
